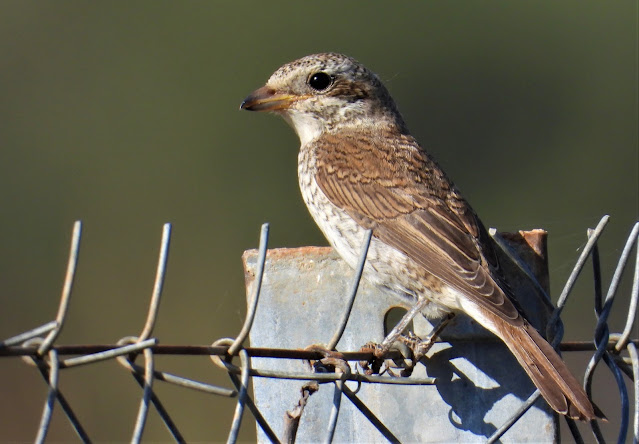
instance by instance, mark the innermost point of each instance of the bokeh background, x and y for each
(125, 115)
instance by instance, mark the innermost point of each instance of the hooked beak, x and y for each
(267, 99)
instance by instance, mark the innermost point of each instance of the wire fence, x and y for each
(37, 347)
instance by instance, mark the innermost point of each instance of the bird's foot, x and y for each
(402, 359)
(396, 332)
(421, 346)
(332, 360)
(411, 350)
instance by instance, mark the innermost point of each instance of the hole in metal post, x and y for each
(392, 318)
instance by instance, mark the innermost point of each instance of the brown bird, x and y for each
(359, 169)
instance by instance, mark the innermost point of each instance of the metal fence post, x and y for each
(479, 383)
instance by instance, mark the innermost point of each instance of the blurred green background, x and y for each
(125, 115)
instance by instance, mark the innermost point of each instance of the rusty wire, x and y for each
(37, 347)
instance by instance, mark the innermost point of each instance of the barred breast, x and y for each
(347, 238)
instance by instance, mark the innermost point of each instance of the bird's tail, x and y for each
(549, 373)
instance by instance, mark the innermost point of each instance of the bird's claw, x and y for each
(380, 363)
(332, 360)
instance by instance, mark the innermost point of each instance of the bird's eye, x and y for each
(319, 81)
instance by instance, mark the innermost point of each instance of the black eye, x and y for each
(319, 81)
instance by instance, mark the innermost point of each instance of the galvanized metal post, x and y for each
(479, 383)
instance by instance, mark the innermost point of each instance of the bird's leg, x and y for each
(401, 325)
(421, 346)
(411, 347)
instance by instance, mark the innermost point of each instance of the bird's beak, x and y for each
(267, 99)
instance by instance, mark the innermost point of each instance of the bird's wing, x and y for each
(396, 189)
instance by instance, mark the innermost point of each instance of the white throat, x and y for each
(306, 126)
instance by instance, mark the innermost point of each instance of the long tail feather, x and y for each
(548, 372)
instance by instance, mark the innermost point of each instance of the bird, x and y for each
(360, 169)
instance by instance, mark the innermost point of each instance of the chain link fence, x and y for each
(37, 347)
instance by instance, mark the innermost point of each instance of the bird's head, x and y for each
(326, 92)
